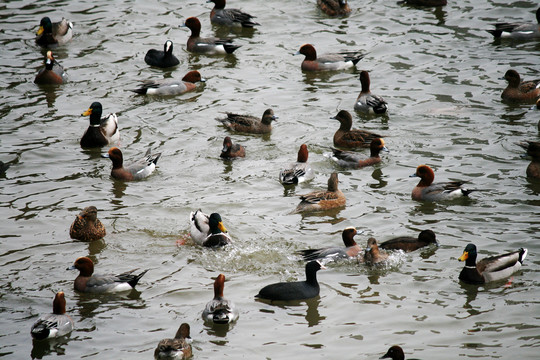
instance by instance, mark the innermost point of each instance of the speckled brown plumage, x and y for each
(87, 226)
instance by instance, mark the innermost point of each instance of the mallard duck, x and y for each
(248, 123)
(346, 137)
(87, 226)
(52, 73)
(489, 269)
(219, 310)
(57, 33)
(207, 230)
(178, 348)
(334, 7)
(102, 130)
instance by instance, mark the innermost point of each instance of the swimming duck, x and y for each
(53, 325)
(334, 7)
(533, 150)
(354, 160)
(517, 30)
(52, 73)
(426, 189)
(178, 348)
(162, 59)
(57, 33)
(230, 17)
(209, 45)
(250, 124)
(409, 243)
(138, 170)
(230, 150)
(372, 254)
(346, 137)
(520, 91)
(297, 290)
(351, 249)
(207, 230)
(323, 200)
(367, 102)
(87, 226)
(102, 130)
(89, 282)
(338, 61)
(492, 268)
(170, 86)
(298, 171)
(394, 352)
(219, 310)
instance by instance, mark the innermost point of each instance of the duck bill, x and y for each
(40, 30)
(464, 257)
(222, 227)
(87, 112)
(72, 267)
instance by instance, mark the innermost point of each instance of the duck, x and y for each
(334, 7)
(170, 86)
(323, 200)
(162, 59)
(102, 130)
(50, 34)
(394, 352)
(346, 137)
(178, 348)
(138, 170)
(53, 325)
(427, 190)
(208, 231)
(489, 269)
(299, 171)
(533, 150)
(209, 45)
(409, 243)
(219, 310)
(520, 91)
(88, 282)
(87, 226)
(230, 150)
(353, 160)
(230, 17)
(248, 123)
(297, 290)
(517, 30)
(328, 254)
(424, 2)
(367, 102)
(372, 254)
(52, 73)
(328, 62)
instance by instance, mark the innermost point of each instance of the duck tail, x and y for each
(522, 254)
(40, 331)
(309, 254)
(133, 282)
(229, 48)
(496, 33)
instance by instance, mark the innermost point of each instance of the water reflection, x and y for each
(377, 174)
(88, 305)
(46, 347)
(219, 330)
(312, 315)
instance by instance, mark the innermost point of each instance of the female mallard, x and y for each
(87, 226)
(492, 268)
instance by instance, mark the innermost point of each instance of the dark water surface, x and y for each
(438, 69)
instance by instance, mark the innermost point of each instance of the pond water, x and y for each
(440, 72)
